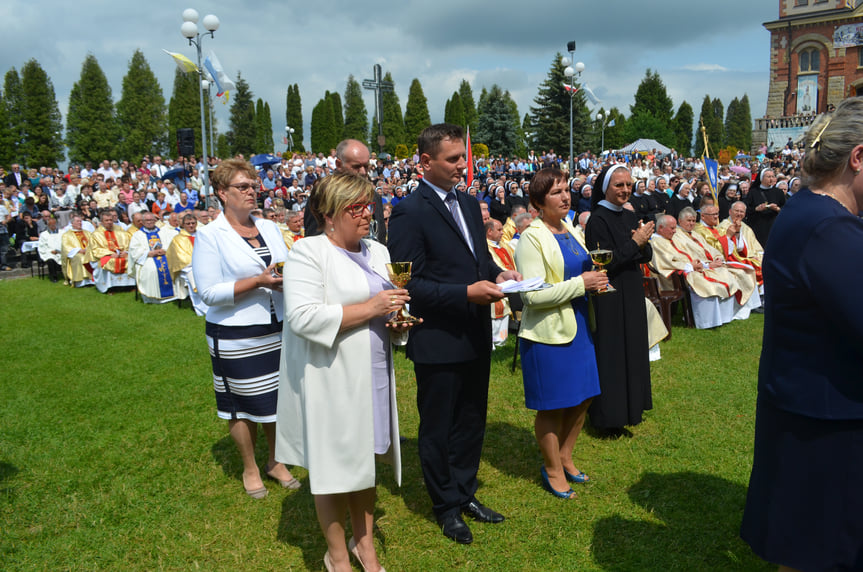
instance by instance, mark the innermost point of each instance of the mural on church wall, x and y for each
(807, 93)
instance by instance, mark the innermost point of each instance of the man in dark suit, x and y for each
(453, 282)
(15, 177)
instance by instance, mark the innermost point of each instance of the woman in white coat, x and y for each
(337, 402)
(233, 262)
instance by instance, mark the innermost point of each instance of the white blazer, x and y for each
(324, 418)
(220, 258)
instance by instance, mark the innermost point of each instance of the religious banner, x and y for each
(779, 136)
(807, 93)
(848, 36)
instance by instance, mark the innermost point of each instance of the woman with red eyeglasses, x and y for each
(337, 402)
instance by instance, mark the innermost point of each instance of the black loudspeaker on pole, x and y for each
(186, 141)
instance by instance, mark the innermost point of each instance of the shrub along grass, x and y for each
(111, 457)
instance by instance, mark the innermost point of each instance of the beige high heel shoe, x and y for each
(352, 547)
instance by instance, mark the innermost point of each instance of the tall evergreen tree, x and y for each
(454, 112)
(683, 129)
(356, 117)
(141, 113)
(705, 119)
(13, 94)
(393, 120)
(91, 130)
(738, 124)
(7, 143)
(550, 116)
(263, 127)
(223, 148)
(43, 124)
(242, 131)
(652, 97)
(294, 115)
(416, 112)
(652, 111)
(716, 131)
(338, 117)
(468, 104)
(325, 135)
(184, 110)
(498, 121)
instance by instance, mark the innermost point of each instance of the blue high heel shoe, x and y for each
(579, 478)
(567, 495)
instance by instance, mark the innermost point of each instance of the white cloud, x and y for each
(703, 67)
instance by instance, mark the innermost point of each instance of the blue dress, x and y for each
(563, 375)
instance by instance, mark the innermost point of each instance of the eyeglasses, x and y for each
(359, 209)
(244, 187)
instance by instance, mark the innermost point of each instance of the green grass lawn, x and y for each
(111, 457)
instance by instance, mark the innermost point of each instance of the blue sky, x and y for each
(715, 48)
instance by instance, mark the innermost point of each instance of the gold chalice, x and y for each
(400, 275)
(600, 258)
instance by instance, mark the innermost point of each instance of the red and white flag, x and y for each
(570, 89)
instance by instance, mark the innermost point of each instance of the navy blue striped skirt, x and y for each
(246, 369)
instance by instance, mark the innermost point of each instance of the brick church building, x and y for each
(816, 60)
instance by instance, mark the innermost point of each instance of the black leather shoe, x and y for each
(454, 528)
(482, 513)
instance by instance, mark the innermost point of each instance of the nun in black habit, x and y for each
(763, 204)
(621, 318)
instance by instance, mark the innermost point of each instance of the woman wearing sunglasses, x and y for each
(337, 402)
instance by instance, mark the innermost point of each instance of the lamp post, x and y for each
(603, 119)
(570, 73)
(206, 85)
(190, 31)
(289, 131)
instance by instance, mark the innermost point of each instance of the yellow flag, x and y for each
(185, 64)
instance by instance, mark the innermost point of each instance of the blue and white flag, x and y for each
(610, 123)
(218, 75)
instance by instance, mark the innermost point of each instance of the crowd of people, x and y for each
(289, 265)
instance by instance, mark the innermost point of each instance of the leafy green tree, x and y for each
(454, 111)
(393, 120)
(416, 112)
(184, 110)
(13, 95)
(645, 125)
(324, 134)
(468, 104)
(356, 117)
(550, 116)
(683, 129)
(242, 130)
(738, 124)
(223, 148)
(652, 97)
(499, 124)
(294, 115)
(141, 114)
(43, 124)
(91, 130)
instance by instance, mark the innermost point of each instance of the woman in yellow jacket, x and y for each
(558, 360)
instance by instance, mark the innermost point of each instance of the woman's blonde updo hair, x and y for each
(335, 192)
(830, 140)
(227, 170)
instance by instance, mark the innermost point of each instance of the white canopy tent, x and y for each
(645, 146)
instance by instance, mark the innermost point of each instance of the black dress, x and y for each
(762, 221)
(621, 323)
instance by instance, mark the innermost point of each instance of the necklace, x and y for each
(832, 196)
(571, 244)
